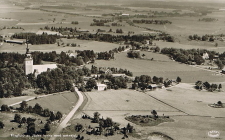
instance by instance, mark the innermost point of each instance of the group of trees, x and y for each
(208, 19)
(119, 31)
(109, 126)
(133, 54)
(144, 81)
(127, 38)
(31, 127)
(185, 56)
(202, 38)
(13, 81)
(63, 30)
(11, 59)
(206, 85)
(59, 79)
(160, 22)
(96, 70)
(37, 39)
(38, 109)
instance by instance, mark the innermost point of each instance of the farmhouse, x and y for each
(205, 55)
(101, 87)
(153, 86)
(72, 54)
(36, 69)
(125, 15)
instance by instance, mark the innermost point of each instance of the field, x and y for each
(161, 67)
(84, 45)
(201, 119)
(7, 131)
(62, 102)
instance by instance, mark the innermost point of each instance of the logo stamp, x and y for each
(214, 134)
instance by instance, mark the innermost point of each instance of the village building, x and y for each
(36, 69)
(205, 56)
(101, 87)
(72, 54)
(153, 87)
(15, 41)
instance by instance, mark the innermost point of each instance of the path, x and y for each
(63, 124)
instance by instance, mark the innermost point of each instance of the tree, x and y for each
(178, 79)
(17, 118)
(52, 117)
(216, 44)
(1, 125)
(23, 106)
(46, 113)
(5, 108)
(220, 64)
(31, 129)
(96, 117)
(58, 115)
(47, 127)
(154, 113)
(219, 103)
(91, 83)
(220, 86)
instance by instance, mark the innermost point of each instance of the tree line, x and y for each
(35, 39)
(185, 56)
(125, 38)
(160, 22)
(202, 38)
(206, 85)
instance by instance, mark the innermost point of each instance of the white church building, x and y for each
(31, 68)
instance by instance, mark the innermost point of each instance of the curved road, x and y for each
(70, 115)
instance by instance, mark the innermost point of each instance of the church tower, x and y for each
(28, 62)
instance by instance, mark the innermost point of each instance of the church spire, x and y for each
(27, 49)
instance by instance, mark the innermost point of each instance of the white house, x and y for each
(101, 87)
(205, 55)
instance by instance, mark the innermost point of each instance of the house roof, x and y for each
(101, 85)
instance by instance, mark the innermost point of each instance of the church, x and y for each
(36, 69)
